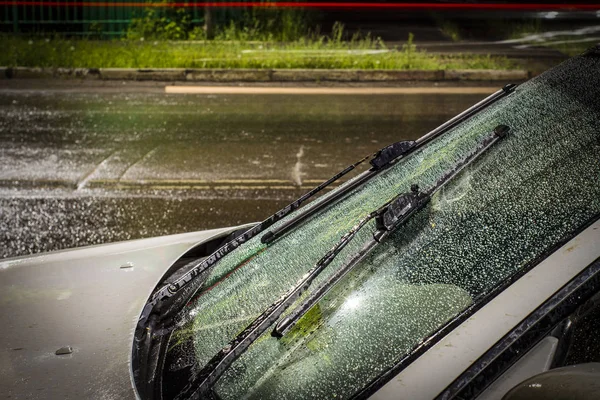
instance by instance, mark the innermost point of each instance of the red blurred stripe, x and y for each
(364, 5)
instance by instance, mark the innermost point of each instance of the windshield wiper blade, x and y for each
(164, 301)
(394, 215)
(388, 217)
(211, 372)
(384, 159)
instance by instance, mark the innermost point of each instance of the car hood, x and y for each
(88, 299)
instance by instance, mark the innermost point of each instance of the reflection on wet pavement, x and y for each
(88, 167)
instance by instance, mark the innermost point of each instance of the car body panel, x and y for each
(89, 299)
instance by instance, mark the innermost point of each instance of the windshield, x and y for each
(506, 209)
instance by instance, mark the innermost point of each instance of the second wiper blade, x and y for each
(224, 358)
(388, 218)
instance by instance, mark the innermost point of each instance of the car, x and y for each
(458, 266)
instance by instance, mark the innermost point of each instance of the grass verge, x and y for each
(365, 53)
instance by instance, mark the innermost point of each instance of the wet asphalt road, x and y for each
(89, 166)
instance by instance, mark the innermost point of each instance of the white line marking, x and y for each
(81, 184)
(297, 173)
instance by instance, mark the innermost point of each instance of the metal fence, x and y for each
(86, 18)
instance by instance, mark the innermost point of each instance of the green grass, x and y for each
(328, 53)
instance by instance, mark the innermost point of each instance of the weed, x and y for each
(161, 24)
(451, 30)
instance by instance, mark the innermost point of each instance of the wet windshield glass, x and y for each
(506, 209)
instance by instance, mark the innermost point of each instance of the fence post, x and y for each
(15, 15)
(208, 23)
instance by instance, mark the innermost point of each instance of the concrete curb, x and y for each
(262, 75)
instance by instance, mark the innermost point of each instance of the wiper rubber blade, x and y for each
(383, 159)
(388, 217)
(211, 372)
(394, 215)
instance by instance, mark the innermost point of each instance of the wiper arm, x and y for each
(166, 293)
(388, 217)
(379, 161)
(384, 159)
(394, 215)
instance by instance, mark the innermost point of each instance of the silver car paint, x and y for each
(88, 298)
